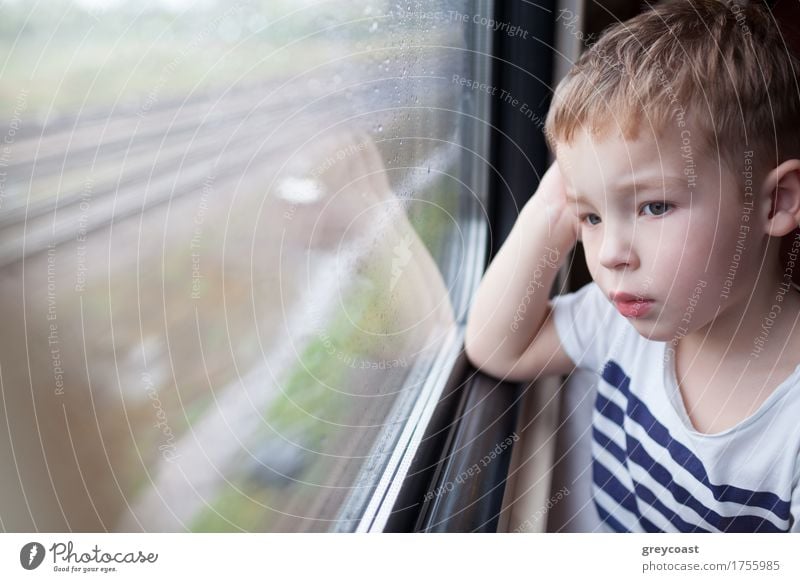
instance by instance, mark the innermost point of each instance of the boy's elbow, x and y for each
(482, 360)
(474, 356)
(486, 355)
(470, 340)
(475, 350)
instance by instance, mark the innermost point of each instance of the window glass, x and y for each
(234, 236)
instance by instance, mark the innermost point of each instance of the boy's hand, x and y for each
(550, 201)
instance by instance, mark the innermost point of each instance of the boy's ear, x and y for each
(781, 195)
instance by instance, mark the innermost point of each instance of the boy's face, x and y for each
(661, 223)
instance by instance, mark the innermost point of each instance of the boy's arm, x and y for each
(510, 333)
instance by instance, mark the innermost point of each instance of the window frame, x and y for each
(475, 411)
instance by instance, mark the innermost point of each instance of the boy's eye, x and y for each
(592, 219)
(656, 208)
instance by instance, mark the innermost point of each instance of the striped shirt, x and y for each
(651, 470)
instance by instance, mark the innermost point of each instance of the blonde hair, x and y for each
(719, 67)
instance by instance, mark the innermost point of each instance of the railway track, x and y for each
(112, 176)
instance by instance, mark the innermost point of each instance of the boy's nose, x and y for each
(617, 252)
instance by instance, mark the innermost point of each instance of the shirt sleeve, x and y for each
(586, 323)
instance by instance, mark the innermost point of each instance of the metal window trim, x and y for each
(382, 502)
(490, 406)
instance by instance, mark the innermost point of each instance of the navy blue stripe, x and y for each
(609, 409)
(643, 492)
(639, 412)
(638, 455)
(606, 481)
(607, 444)
(647, 496)
(659, 473)
(607, 518)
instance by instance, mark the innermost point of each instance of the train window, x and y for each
(238, 241)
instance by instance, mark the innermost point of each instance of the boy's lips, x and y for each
(632, 305)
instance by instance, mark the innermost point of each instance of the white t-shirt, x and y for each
(651, 470)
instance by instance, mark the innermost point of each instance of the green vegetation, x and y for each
(435, 217)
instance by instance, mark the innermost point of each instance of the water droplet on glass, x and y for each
(380, 128)
(429, 169)
(374, 27)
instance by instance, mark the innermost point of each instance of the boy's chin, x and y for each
(657, 332)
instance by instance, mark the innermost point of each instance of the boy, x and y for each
(678, 166)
